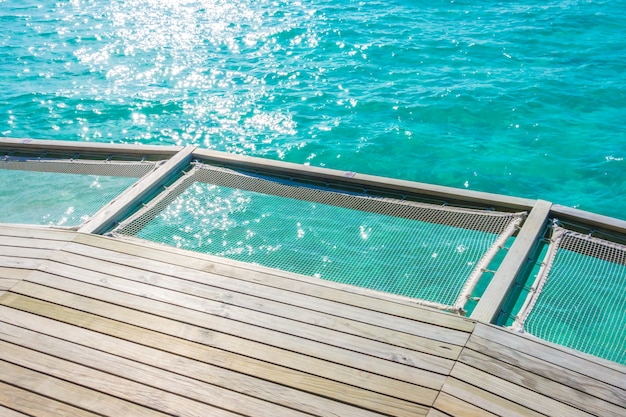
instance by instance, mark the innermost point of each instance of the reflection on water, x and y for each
(520, 99)
(397, 255)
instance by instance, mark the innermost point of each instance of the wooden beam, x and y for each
(120, 206)
(589, 219)
(363, 181)
(37, 146)
(491, 302)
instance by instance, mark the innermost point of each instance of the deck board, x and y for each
(70, 393)
(193, 368)
(93, 325)
(491, 402)
(245, 308)
(586, 389)
(321, 304)
(235, 348)
(344, 294)
(527, 397)
(166, 381)
(327, 345)
(195, 343)
(24, 403)
(449, 405)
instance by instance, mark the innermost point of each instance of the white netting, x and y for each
(578, 298)
(423, 251)
(62, 192)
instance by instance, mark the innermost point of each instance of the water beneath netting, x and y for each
(392, 254)
(55, 199)
(583, 306)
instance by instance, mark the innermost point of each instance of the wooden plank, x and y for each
(540, 367)
(166, 381)
(215, 301)
(524, 396)
(485, 400)
(592, 220)
(610, 373)
(36, 232)
(22, 401)
(70, 393)
(145, 396)
(13, 273)
(344, 294)
(22, 252)
(196, 344)
(436, 413)
(6, 283)
(159, 358)
(285, 351)
(361, 181)
(7, 412)
(31, 242)
(19, 263)
(451, 406)
(367, 315)
(489, 307)
(550, 388)
(118, 207)
(37, 146)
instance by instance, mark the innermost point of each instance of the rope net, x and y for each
(430, 253)
(578, 298)
(62, 192)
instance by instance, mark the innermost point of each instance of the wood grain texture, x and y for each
(586, 385)
(167, 382)
(94, 325)
(436, 413)
(37, 328)
(490, 305)
(192, 328)
(13, 273)
(119, 207)
(43, 241)
(609, 372)
(300, 299)
(455, 407)
(545, 386)
(67, 392)
(345, 294)
(6, 283)
(25, 252)
(37, 146)
(547, 403)
(144, 396)
(196, 344)
(19, 263)
(18, 402)
(35, 232)
(329, 329)
(485, 400)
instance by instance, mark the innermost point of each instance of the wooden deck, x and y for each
(91, 325)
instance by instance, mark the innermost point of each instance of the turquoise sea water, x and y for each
(525, 98)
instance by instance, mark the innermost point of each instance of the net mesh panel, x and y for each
(579, 296)
(421, 251)
(62, 192)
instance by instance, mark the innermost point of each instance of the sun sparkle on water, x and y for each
(523, 99)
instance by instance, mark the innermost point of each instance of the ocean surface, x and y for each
(523, 98)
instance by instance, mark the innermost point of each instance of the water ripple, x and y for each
(524, 99)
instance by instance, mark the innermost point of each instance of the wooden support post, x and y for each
(117, 208)
(491, 302)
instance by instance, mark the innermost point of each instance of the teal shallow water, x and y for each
(525, 99)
